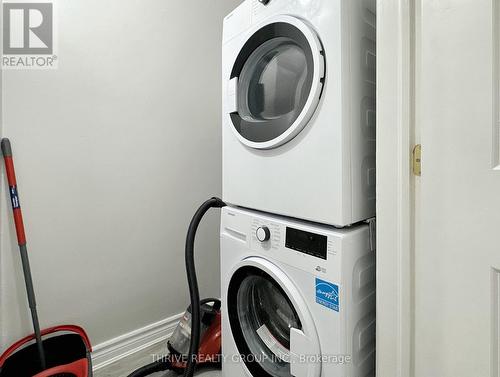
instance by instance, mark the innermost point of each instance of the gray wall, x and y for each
(114, 150)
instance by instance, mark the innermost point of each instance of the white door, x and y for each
(457, 239)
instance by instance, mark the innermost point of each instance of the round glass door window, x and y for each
(261, 317)
(279, 76)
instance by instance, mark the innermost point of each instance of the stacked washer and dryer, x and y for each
(297, 239)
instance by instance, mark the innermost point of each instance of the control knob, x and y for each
(263, 233)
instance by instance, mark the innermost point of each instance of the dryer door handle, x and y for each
(300, 350)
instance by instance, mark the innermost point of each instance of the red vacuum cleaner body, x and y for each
(209, 351)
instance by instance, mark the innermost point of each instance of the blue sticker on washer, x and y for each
(327, 294)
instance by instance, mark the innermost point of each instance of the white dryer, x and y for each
(297, 299)
(298, 87)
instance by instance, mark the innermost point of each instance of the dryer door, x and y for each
(276, 83)
(270, 322)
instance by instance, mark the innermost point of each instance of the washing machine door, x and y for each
(276, 83)
(270, 322)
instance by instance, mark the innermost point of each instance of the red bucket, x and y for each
(67, 349)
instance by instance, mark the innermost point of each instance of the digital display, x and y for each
(306, 242)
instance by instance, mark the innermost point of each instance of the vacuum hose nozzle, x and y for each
(193, 282)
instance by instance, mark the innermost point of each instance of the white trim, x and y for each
(495, 322)
(127, 344)
(496, 85)
(395, 193)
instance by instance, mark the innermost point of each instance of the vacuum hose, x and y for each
(196, 304)
(194, 292)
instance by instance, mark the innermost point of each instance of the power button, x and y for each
(265, 2)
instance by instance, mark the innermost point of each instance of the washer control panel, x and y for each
(308, 247)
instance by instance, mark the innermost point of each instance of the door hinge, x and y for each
(417, 160)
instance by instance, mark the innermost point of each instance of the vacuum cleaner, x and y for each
(196, 342)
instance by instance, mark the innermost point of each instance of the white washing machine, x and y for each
(298, 87)
(297, 299)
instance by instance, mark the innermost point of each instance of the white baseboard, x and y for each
(127, 344)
